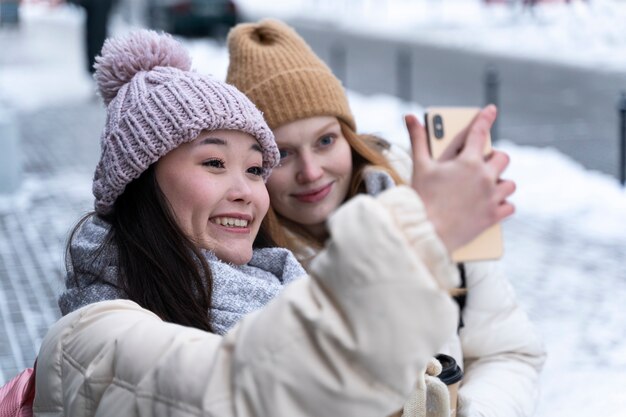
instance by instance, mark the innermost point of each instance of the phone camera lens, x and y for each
(438, 126)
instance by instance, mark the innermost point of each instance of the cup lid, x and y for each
(451, 372)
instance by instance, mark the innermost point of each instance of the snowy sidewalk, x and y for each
(43, 81)
(58, 160)
(565, 248)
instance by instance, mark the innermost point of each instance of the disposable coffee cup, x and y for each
(451, 375)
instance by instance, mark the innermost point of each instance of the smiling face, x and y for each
(314, 173)
(215, 188)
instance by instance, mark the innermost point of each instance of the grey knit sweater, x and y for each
(237, 289)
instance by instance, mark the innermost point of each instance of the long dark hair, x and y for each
(159, 268)
(367, 151)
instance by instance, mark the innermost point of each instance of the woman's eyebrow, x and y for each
(328, 126)
(211, 141)
(222, 142)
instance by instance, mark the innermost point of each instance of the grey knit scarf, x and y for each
(237, 289)
(377, 180)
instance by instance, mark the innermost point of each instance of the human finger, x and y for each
(455, 146)
(504, 210)
(478, 132)
(498, 161)
(504, 189)
(420, 152)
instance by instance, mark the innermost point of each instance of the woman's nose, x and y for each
(309, 170)
(240, 190)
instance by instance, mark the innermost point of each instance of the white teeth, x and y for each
(230, 222)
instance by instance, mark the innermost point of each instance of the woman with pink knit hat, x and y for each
(325, 165)
(178, 302)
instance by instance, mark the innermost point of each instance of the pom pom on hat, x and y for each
(155, 104)
(122, 58)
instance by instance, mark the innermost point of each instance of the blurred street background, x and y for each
(555, 68)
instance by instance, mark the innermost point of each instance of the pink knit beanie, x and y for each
(156, 103)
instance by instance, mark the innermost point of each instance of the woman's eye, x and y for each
(257, 171)
(326, 140)
(214, 163)
(284, 153)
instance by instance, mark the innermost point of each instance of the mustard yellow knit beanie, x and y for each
(278, 71)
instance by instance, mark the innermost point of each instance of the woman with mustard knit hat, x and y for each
(325, 164)
(177, 303)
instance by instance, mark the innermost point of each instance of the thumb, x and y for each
(420, 153)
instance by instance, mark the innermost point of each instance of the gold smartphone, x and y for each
(442, 125)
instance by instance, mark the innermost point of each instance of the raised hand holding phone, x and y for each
(462, 191)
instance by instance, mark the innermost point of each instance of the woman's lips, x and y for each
(314, 196)
(230, 229)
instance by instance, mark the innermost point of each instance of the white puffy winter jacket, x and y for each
(499, 348)
(350, 340)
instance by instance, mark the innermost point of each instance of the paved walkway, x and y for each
(42, 80)
(59, 149)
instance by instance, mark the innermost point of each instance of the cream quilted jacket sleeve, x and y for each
(502, 350)
(348, 341)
